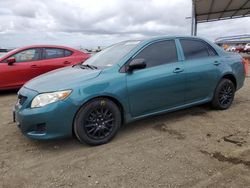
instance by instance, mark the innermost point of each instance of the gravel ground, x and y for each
(196, 147)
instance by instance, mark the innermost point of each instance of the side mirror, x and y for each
(136, 64)
(11, 60)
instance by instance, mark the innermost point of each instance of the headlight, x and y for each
(47, 98)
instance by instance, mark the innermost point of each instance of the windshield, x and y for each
(111, 55)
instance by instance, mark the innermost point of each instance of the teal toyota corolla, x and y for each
(127, 81)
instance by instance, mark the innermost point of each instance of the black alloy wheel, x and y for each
(224, 94)
(97, 122)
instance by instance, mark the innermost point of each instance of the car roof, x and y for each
(166, 37)
(37, 46)
(172, 37)
(46, 46)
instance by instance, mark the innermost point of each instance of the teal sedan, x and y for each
(127, 81)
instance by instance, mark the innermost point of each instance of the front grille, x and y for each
(21, 99)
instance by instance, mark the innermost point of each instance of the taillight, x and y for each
(245, 62)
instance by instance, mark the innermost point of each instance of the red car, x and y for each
(239, 49)
(20, 65)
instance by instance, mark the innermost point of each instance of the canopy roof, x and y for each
(212, 10)
(233, 39)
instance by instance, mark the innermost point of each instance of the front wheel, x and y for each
(97, 122)
(224, 95)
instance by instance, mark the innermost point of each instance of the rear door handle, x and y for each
(66, 62)
(33, 66)
(178, 70)
(217, 63)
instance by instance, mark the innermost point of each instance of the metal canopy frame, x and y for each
(237, 39)
(215, 10)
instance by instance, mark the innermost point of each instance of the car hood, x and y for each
(60, 79)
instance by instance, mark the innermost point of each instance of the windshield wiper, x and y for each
(89, 66)
(84, 66)
(78, 64)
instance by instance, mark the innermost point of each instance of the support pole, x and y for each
(195, 28)
(194, 22)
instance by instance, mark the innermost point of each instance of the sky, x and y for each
(94, 23)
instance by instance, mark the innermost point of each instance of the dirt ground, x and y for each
(196, 147)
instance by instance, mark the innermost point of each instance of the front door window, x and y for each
(27, 55)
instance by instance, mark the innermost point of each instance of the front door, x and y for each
(26, 67)
(159, 86)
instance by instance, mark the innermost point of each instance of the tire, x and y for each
(223, 95)
(97, 122)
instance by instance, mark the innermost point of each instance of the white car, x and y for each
(247, 48)
(231, 49)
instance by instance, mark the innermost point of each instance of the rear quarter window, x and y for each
(67, 53)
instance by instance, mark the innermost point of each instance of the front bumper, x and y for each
(49, 122)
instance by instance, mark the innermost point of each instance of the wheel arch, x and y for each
(231, 77)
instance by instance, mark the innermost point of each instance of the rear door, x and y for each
(25, 68)
(202, 67)
(54, 58)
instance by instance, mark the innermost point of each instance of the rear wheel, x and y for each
(224, 95)
(97, 122)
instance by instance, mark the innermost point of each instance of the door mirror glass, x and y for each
(11, 60)
(137, 64)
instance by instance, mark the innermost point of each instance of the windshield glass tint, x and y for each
(111, 55)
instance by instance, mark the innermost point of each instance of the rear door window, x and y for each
(50, 53)
(194, 49)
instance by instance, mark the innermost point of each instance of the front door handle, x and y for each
(217, 63)
(33, 66)
(178, 70)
